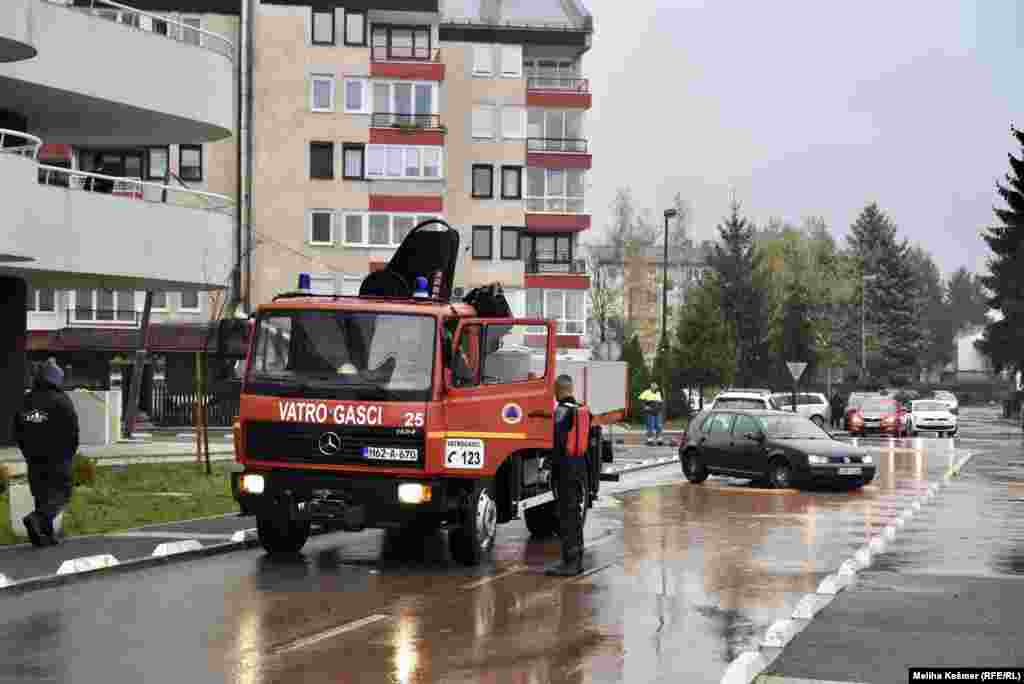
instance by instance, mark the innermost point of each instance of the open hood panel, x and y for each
(430, 250)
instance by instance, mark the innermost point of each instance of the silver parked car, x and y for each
(809, 405)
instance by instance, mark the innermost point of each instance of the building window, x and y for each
(322, 284)
(555, 190)
(406, 102)
(159, 302)
(357, 100)
(41, 301)
(353, 156)
(379, 229)
(190, 162)
(483, 60)
(511, 182)
(401, 42)
(483, 121)
(323, 27)
(509, 243)
(158, 163)
(482, 247)
(513, 123)
(355, 28)
(321, 160)
(320, 221)
(566, 307)
(408, 162)
(321, 96)
(512, 61)
(555, 130)
(104, 305)
(551, 71)
(483, 181)
(190, 300)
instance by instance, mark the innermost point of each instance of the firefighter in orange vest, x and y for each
(569, 469)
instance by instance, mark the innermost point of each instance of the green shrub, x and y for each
(83, 470)
(5, 478)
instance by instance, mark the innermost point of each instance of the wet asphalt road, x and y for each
(683, 578)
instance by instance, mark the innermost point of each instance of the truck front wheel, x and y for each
(282, 535)
(472, 542)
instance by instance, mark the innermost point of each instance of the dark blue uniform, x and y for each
(569, 472)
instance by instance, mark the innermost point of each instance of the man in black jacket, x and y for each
(569, 471)
(46, 430)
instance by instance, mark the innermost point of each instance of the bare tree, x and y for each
(605, 296)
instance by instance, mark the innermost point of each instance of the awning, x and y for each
(51, 152)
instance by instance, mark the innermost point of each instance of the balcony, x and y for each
(558, 153)
(103, 318)
(544, 265)
(406, 62)
(391, 128)
(557, 91)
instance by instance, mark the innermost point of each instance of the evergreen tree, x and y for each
(936, 324)
(1003, 341)
(891, 299)
(966, 300)
(744, 299)
(639, 375)
(704, 353)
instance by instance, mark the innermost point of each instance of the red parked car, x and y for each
(883, 415)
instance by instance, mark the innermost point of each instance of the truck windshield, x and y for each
(327, 354)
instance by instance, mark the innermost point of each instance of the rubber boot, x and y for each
(571, 565)
(33, 528)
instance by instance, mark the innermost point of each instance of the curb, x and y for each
(645, 465)
(749, 667)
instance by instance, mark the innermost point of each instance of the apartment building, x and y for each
(639, 274)
(150, 102)
(372, 115)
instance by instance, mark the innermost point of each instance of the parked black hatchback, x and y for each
(777, 447)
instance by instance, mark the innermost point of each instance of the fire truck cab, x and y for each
(386, 410)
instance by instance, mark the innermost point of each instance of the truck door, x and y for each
(499, 392)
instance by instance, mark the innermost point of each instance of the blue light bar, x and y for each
(304, 282)
(422, 288)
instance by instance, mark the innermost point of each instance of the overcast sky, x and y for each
(809, 107)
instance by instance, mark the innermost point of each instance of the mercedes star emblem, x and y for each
(329, 444)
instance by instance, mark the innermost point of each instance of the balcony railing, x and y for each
(575, 145)
(153, 23)
(542, 266)
(405, 122)
(556, 205)
(561, 83)
(21, 144)
(134, 189)
(384, 53)
(83, 317)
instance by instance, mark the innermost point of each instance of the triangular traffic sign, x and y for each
(796, 368)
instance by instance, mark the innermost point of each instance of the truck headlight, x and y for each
(414, 493)
(868, 459)
(253, 484)
(817, 460)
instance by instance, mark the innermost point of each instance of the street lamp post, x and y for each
(669, 213)
(865, 279)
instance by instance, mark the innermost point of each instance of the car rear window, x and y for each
(879, 405)
(740, 403)
(718, 423)
(929, 406)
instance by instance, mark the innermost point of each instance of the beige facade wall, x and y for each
(283, 126)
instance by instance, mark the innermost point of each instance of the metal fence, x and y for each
(173, 409)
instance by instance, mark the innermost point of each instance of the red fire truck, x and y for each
(400, 408)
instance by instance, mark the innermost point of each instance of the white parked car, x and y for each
(809, 405)
(932, 415)
(950, 399)
(744, 399)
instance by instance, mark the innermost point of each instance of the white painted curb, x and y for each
(87, 563)
(171, 548)
(889, 532)
(833, 584)
(849, 568)
(863, 557)
(244, 535)
(743, 670)
(3, 580)
(876, 545)
(782, 632)
(810, 605)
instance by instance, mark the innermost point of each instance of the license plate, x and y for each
(849, 471)
(390, 454)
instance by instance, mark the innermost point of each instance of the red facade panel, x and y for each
(558, 98)
(415, 71)
(407, 203)
(394, 136)
(560, 281)
(557, 223)
(561, 341)
(559, 160)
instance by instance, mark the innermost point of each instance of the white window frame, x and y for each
(160, 308)
(312, 92)
(93, 305)
(548, 201)
(519, 113)
(392, 106)
(309, 227)
(511, 61)
(479, 111)
(34, 307)
(190, 309)
(347, 281)
(417, 218)
(333, 26)
(483, 60)
(372, 149)
(323, 279)
(366, 107)
(561, 320)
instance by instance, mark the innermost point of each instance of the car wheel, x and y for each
(952, 433)
(693, 469)
(780, 474)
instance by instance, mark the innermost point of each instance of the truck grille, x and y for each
(300, 443)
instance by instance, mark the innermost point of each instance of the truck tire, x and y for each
(281, 535)
(473, 542)
(542, 521)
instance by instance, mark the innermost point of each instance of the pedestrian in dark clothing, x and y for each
(569, 471)
(837, 409)
(46, 431)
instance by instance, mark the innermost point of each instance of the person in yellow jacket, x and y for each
(653, 403)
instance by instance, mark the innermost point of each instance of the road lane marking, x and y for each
(493, 578)
(312, 639)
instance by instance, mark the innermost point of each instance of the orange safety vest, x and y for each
(579, 436)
